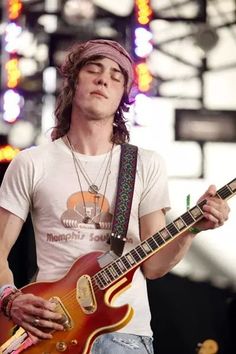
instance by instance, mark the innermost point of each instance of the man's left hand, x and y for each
(216, 210)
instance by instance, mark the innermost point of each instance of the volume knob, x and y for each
(61, 346)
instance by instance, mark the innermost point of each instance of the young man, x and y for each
(69, 186)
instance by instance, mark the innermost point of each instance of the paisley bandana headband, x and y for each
(111, 50)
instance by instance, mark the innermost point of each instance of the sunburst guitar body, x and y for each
(86, 310)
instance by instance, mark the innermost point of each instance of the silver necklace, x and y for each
(92, 186)
(87, 219)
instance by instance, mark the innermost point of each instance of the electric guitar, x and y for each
(85, 294)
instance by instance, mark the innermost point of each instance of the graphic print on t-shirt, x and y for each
(90, 209)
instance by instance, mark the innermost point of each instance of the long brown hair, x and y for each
(63, 108)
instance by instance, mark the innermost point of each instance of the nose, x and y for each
(102, 80)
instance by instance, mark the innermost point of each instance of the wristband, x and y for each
(6, 290)
(2, 289)
(7, 302)
(194, 230)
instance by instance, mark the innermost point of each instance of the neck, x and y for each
(91, 137)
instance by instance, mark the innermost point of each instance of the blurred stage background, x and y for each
(185, 108)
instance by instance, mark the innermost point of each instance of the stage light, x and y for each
(50, 79)
(11, 99)
(7, 153)
(13, 72)
(14, 8)
(11, 105)
(142, 34)
(144, 50)
(144, 77)
(142, 42)
(12, 33)
(144, 11)
(143, 46)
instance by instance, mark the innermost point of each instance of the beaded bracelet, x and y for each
(5, 291)
(7, 302)
(4, 287)
(194, 230)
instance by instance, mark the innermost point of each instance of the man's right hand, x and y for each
(36, 315)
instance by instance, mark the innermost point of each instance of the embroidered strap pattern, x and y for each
(126, 180)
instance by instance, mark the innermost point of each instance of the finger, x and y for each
(214, 215)
(42, 323)
(218, 208)
(34, 330)
(214, 221)
(210, 192)
(40, 302)
(46, 314)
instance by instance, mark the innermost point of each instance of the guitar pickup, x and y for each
(85, 295)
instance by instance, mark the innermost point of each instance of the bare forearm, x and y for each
(10, 226)
(6, 276)
(165, 259)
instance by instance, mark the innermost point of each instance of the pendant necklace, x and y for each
(92, 186)
(94, 189)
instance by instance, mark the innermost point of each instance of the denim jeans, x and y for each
(122, 343)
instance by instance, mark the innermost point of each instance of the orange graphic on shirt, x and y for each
(87, 208)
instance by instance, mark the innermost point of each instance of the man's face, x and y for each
(99, 89)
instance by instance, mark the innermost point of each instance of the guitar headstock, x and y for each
(209, 346)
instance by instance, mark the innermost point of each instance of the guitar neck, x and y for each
(131, 260)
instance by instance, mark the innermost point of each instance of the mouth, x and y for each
(98, 93)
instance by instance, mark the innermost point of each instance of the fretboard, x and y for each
(122, 265)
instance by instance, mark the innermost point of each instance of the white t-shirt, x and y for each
(43, 180)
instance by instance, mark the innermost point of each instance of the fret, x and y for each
(172, 229)
(146, 247)
(224, 192)
(109, 274)
(159, 240)
(121, 265)
(135, 255)
(106, 278)
(140, 251)
(196, 212)
(119, 272)
(152, 244)
(232, 185)
(130, 258)
(165, 234)
(187, 218)
(179, 224)
(200, 205)
(126, 263)
(100, 280)
(113, 271)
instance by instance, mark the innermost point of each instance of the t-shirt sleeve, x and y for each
(16, 188)
(155, 195)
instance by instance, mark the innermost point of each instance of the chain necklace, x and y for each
(93, 187)
(88, 218)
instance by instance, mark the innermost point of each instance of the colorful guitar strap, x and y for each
(124, 197)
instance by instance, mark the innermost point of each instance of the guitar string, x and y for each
(93, 280)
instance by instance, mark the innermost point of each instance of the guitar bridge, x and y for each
(66, 320)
